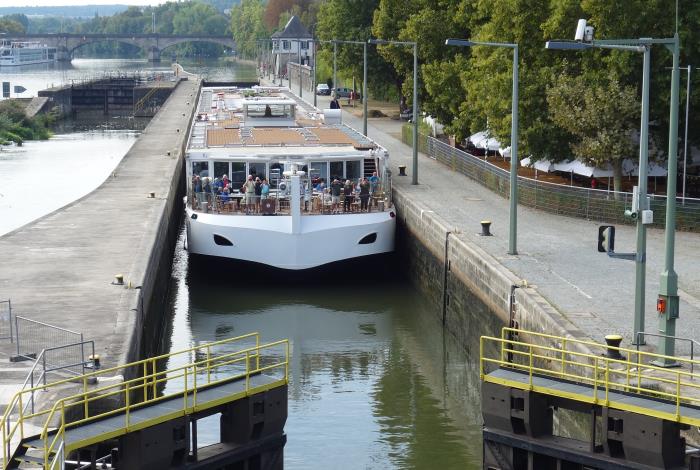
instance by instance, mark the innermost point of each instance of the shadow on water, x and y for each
(374, 380)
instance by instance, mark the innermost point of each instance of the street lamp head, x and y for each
(458, 42)
(584, 33)
(567, 45)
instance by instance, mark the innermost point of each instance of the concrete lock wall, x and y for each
(148, 305)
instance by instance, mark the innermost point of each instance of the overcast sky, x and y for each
(35, 3)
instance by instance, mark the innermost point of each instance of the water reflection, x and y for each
(374, 382)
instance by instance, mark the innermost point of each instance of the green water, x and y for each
(374, 381)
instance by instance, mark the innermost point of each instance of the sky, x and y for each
(43, 3)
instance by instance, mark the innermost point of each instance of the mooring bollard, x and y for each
(118, 279)
(613, 342)
(485, 228)
(402, 170)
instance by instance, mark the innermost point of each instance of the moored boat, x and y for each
(300, 222)
(14, 53)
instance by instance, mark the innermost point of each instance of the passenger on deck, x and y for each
(268, 111)
(249, 190)
(336, 187)
(258, 194)
(373, 183)
(364, 194)
(226, 181)
(348, 191)
(265, 189)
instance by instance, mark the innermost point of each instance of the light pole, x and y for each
(513, 224)
(364, 75)
(667, 304)
(414, 44)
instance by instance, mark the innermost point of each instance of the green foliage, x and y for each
(16, 127)
(248, 26)
(11, 26)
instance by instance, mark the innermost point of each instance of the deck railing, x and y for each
(601, 367)
(185, 372)
(316, 204)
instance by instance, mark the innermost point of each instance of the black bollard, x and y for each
(402, 170)
(613, 341)
(485, 228)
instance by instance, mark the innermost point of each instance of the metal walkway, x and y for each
(165, 388)
(589, 372)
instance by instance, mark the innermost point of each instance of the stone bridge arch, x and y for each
(152, 44)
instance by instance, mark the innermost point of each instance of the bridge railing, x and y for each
(602, 368)
(178, 374)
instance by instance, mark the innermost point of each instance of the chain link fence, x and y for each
(572, 201)
(6, 320)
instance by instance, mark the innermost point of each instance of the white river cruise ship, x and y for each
(327, 195)
(25, 53)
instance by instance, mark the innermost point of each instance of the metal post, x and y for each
(513, 226)
(364, 88)
(313, 87)
(299, 63)
(668, 288)
(640, 259)
(335, 67)
(685, 140)
(414, 176)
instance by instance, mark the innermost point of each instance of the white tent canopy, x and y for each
(629, 168)
(483, 141)
(540, 165)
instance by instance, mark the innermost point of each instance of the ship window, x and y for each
(200, 168)
(223, 241)
(237, 175)
(352, 169)
(257, 170)
(319, 170)
(368, 239)
(337, 171)
(220, 169)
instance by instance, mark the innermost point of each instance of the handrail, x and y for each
(641, 334)
(200, 372)
(580, 361)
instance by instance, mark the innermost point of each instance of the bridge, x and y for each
(152, 44)
(630, 404)
(150, 408)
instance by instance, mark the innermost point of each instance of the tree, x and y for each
(247, 26)
(601, 115)
(10, 26)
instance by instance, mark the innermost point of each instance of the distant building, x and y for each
(288, 43)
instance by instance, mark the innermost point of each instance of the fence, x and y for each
(6, 319)
(572, 201)
(34, 336)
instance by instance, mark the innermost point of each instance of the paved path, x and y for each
(557, 255)
(59, 268)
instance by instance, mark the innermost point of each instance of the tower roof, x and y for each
(293, 29)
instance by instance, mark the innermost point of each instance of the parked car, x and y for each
(323, 89)
(345, 93)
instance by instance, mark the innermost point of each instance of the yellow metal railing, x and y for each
(590, 363)
(206, 365)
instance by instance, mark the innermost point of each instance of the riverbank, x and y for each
(60, 269)
(19, 122)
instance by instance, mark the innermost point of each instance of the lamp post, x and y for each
(668, 301)
(364, 75)
(513, 223)
(414, 44)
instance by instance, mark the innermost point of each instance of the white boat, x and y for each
(25, 53)
(265, 133)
